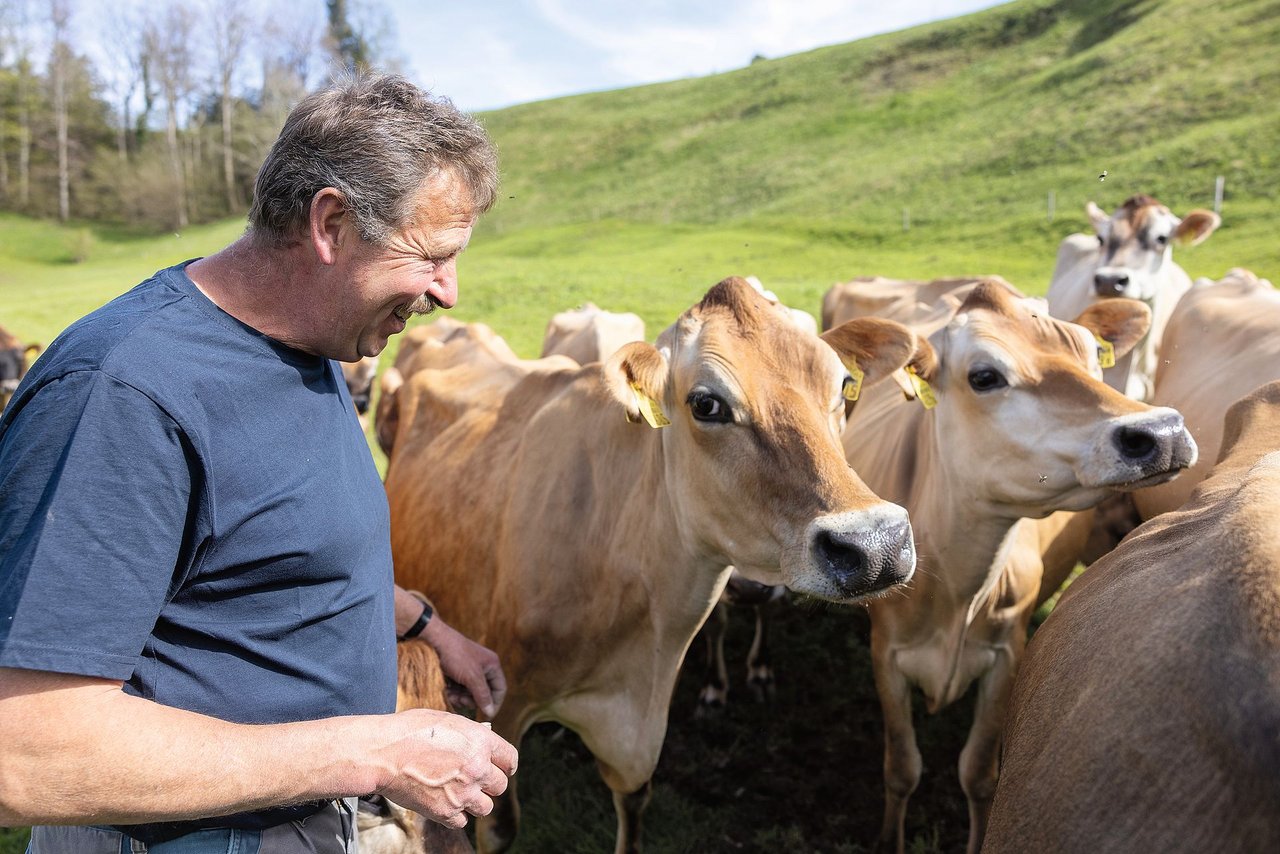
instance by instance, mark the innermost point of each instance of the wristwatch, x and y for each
(419, 624)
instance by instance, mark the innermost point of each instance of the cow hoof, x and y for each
(760, 680)
(711, 702)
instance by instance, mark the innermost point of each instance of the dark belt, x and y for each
(164, 831)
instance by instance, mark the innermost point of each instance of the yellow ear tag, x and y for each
(1106, 352)
(924, 393)
(649, 408)
(853, 383)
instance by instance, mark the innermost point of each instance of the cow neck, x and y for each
(964, 545)
(680, 575)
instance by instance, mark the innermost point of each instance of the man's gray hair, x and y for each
(375, 139)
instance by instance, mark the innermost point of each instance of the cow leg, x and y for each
(759, 667)
(630, 807)
(980, 759)
(715, 681)
(902, 763)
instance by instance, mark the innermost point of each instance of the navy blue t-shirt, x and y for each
(190, 506)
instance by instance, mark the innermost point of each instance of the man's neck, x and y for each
(258, 286)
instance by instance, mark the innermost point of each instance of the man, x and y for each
(196, 597)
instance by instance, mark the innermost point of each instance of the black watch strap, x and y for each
(419, 624)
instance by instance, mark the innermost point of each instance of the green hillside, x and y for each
(972, 118)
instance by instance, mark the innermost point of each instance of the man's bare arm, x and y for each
(78, 750)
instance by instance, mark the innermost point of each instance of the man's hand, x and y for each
(447, 766)
(474, 670)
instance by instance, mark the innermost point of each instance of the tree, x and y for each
(169, 52)
(60, 18)
(231, 25)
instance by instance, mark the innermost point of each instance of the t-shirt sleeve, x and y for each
(95, 508)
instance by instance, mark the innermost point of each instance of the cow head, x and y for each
(1135, 245)
(359, 377)
(1024, 415)
(15, 357)
(752, 457)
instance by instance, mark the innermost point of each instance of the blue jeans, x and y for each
(330, 831)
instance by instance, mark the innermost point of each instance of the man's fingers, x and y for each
(497, 685)
(479, 688)
(505, 756)
(481, 804)
(495, 783)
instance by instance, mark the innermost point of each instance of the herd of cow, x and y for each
(945, 453)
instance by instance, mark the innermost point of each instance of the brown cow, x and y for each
(15, 358)
(1146, 716)
(557, 528)
(1022, 426)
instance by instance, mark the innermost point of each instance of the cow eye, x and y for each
(1101, 242)
(1163, 240)
(708, 407)
(986, 379)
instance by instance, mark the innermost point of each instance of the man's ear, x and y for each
(1097, 217)
(636, 374)
(1123, 322)
(328, 224)
(1196, 227)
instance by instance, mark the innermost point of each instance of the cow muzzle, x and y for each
(1140, 450)
(1111, 283)
(851, 556)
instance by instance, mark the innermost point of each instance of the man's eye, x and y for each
(708, 407)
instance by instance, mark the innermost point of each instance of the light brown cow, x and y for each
(1146, 716)
(445, 343)
(15, 358)
(1129, 255)
(905, 300)
(557, 528)
(1221, 342)
(1022, 426)
(590, 334)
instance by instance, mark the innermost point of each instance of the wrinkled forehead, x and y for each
(1023, 339)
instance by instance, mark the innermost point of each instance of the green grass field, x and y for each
(801, 170)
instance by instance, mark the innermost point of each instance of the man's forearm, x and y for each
(75, 750)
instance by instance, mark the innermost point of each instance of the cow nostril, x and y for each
(1135, 444)
(845, 562)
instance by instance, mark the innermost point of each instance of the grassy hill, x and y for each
(798, 170)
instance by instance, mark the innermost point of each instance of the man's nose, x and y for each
(444, 285)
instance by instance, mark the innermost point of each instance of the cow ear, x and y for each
(636, 375)
(876, 345)
(1096, 216)
(1122, 322)
(1196, 227)
(32, 350)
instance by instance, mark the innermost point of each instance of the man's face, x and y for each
(415, 271)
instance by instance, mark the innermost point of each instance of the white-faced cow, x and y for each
(1018, 424)
(1146, 716)
(1129, 255)
(557, 527)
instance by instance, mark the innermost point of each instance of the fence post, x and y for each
(1049, 217)
(906, 219)
(1218, 187)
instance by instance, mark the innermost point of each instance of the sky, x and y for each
(486, 54)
